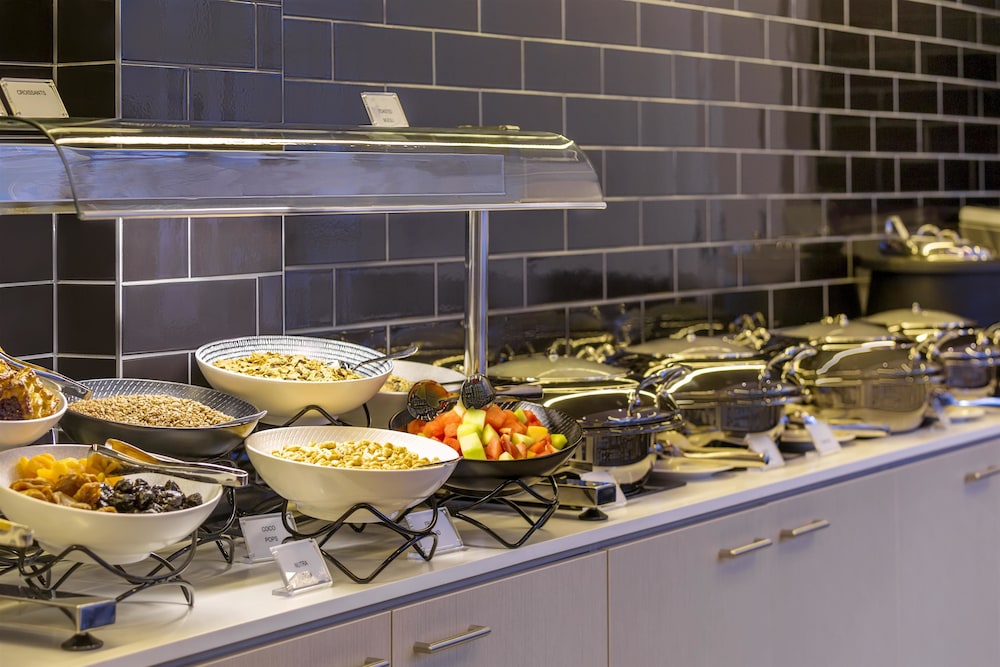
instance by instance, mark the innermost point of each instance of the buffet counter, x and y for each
(235, 607)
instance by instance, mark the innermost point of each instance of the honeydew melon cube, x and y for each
(472, 446)
(558, 440)
(475, 416)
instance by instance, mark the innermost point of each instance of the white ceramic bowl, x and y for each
(19, 432)
(326, 492)
(117, 538)
(283, 399)
(383, 405)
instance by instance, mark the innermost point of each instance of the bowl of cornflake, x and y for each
(290, 376)
(328, 471)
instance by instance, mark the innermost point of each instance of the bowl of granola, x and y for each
(179, 420)
(291, 376)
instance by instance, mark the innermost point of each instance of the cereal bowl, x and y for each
(326, 492)
(116, 538)
(386, 403)
(283, 399)
(185, 440)
(18, 432)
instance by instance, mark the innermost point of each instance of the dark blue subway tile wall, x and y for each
(232, 246)
(746, 149)
(161, 317)
(155, 249)
(31, 331)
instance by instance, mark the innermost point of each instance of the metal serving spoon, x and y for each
(135, 459)
(399, 354)
(429, 398)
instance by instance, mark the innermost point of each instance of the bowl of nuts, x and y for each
(326, 471)
(288, 375)
(70, 496)
(179, 420)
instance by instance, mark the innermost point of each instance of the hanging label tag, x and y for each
(448, 538)
(302, 567)
(262, 532)
(823, 437)
(762, 443)
(33, 98)
(384, 110)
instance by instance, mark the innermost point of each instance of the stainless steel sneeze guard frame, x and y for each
(103, 169)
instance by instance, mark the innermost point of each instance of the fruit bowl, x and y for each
(183, 442)
(479, 477)
(284, 399)
(326, 492)
(19, 432)
(384, 404)
(117, 538)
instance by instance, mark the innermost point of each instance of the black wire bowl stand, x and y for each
(462, 503)
(334, 421)
(410, 538)
(43, 576)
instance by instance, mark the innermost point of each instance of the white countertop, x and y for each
(234, 603)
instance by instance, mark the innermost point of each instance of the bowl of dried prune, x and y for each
(71, 497)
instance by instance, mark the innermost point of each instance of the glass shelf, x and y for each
(105, 169)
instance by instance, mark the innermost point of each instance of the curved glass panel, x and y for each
(113, 168)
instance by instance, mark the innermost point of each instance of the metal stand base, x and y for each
(545, 495)
(410, 538)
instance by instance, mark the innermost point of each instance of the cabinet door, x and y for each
(697, 596)
(554, 615)
(833, 595)
(362, 643)
(949, 564)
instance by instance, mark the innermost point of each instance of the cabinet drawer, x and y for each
(555, 615)
(365, 642)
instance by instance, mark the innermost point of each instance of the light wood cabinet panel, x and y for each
(365, 642)
(676, 601)
(833, 589)
(949, 560)
(555, 615)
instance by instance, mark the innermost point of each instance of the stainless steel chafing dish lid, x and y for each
(731, 382)
(916, 321)
(839, 329)
(105, 169)
(870, 361)
(609, 410)
(560, 370)
(694, 347)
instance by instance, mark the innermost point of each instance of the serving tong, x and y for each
(134, 459)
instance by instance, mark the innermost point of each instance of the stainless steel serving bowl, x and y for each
(190, 443)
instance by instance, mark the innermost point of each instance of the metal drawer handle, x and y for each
(474, 632)
(811, 527)
(376, 662)
(756, 545)
(982, 474)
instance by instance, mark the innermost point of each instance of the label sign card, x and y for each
(384, 110)
(823, 437)
(762, 443)
(263, 531)
(33, 98)
(302, 567)
(448, 538)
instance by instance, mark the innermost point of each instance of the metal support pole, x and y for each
(476, 304)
